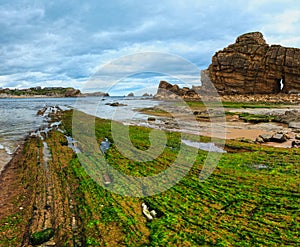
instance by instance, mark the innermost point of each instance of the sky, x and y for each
(69, 43)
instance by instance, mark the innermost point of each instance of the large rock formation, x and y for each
(251, 66)
(168, 91)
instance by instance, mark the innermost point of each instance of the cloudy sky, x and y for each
(56, 43)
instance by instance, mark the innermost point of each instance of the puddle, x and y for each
(7, 149)
(46, 154)
(258, 166)
(55, 124)
(104, 146)
(206, 146)
(73, 144)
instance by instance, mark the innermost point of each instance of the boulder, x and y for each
(266, 137)
(296, 144)
(259, 140)
(251, 66)
(294, 125)
(288, 116)
(279, 137)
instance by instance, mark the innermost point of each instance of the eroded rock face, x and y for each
(251, 66)
(168, 91)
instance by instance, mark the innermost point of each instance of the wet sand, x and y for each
(10, 184)
(250, 134)
(4, 159)
(228, 130)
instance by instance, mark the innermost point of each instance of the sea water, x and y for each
(18, 117)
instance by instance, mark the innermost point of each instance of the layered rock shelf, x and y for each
(167, 91)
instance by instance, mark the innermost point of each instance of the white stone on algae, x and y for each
(147, 213)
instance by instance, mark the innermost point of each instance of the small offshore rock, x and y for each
(152, 119)
(147, 95)
(115, 104)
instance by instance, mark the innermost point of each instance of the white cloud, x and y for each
(19, 15)
(50, 43)
(286, 22)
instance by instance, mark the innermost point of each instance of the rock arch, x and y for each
(251, 66)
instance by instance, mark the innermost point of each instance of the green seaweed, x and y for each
(41, 236)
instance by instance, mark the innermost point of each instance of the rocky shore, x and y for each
(48, 199)
(249, 70)
(168, 92)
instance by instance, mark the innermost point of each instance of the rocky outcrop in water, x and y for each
(251, 66)
(130, 95)
(168, 91)
(115, 104)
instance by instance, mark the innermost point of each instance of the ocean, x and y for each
(18, 117)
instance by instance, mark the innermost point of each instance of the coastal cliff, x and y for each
(251, 66)
(248, 68)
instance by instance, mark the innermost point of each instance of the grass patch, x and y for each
(256, 118)
(196, 104)
(236, 206)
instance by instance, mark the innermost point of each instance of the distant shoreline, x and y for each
(51, 96)
(35, 96)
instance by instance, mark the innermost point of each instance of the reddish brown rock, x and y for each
(168, 91)
(72, 92)
(251, 66)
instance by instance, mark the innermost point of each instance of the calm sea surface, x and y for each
(18, 116)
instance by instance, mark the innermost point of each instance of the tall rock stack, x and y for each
(251, 66)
